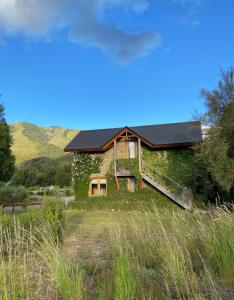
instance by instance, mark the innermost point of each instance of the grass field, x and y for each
(159, 254)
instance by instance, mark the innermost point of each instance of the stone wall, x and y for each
(122, 152)
(107, 159)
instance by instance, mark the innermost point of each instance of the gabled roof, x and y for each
(92, 139)
(155, 136)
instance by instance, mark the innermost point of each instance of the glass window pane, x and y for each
(94, 189)
(103, 189)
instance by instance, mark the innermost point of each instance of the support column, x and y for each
(115, 157)
(139, 154)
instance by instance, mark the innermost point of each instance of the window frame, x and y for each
(98, 182)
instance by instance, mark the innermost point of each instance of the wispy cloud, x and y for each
(83, 20)
(193, 11)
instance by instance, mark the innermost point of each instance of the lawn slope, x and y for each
(31, 141)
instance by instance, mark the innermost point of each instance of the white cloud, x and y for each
(82, 19)
(194, 8)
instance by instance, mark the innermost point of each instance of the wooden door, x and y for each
(131, 149)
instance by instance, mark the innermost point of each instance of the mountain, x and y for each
(32, 141)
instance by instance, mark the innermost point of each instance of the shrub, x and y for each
(49, 220)
(12, 194)
(52, 214)
(29, 243)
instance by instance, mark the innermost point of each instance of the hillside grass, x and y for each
(31, 141)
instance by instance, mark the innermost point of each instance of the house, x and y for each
(119, 151)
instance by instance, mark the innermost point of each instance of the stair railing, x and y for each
(183, 193)
(153, 172)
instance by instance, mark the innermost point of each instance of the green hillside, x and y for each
(31, 141)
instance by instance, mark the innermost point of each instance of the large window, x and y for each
(98, 187)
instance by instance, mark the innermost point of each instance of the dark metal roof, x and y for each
(165, 134)
(92, 139)
(157, 135)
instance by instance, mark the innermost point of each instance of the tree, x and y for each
(217, 150)
(43, 171)
(63, 175)
(7, 160)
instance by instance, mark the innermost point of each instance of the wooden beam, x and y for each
(117, 182)
(115, 157)
(99, 188)
(126, 149)
(139, 154)
(123, 132)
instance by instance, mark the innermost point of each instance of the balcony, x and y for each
(126, 167)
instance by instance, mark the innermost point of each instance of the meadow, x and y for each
(51, 253)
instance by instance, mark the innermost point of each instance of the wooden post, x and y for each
(115, 157)
(117, 182)
(99, 186)
(139, 154)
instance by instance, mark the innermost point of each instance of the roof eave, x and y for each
(174, 145)
(84, 150)
(155, 146)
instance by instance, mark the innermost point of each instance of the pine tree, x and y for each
(7, 160)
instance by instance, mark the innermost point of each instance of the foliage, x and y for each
(43, 171)
(63, 175)
(122, 255)
(84, 165)
(7, 160)
(50, 215)
(125, 284)
(181, 165)
(67, 278)
(217, 150)
(168, 261)
(24, 245)
(131, 165)
(12, 194)
(145, 199)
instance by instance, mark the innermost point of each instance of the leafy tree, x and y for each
(7, 160)
(217, 150)
(63, 175)
(43, 171)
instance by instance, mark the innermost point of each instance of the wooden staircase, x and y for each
(166, 185)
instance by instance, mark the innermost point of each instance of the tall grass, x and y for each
(66, 277)
(153, 255)
(181, 256)
(31, 264)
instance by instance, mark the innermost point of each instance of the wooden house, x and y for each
(116, 144)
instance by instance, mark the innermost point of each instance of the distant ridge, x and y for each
(32, 141)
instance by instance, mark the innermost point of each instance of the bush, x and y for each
(43, 172)
(52, 214)
(12, 194)
(49, 218)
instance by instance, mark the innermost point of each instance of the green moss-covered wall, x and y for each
(84, 164)
(179, 164)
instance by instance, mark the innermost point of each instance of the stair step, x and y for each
(166, 192)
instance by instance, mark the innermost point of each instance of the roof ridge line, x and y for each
(165, 124)
(147, 125)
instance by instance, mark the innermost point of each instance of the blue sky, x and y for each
(110, 63)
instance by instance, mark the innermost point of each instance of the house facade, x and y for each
(126, 153)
